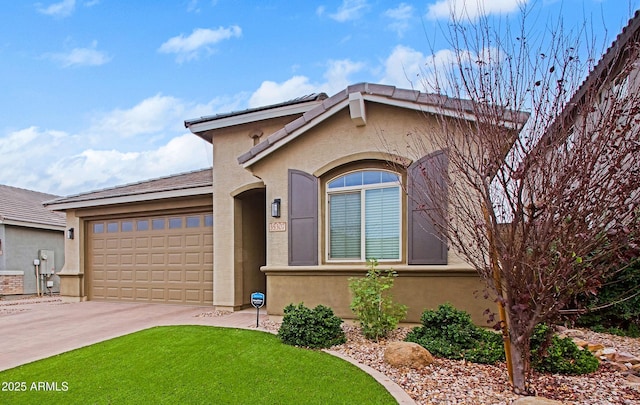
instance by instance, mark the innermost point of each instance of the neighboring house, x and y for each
(28, 232)
(303, 193)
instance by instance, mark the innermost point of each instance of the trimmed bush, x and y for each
(373, 304)
(552, 354)
(313, 328)
(448, 332)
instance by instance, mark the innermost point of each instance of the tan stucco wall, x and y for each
(231, 180)
(418, 288)
(323, 151)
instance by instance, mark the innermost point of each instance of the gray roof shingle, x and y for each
(20, 205)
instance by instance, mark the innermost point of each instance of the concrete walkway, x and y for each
(35, 329)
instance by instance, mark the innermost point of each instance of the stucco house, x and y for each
(300, 195)
(28, 232)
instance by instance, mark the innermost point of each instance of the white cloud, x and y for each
(106, 168)
(348, 10)
(400, 17)
(26, 154)
(471, 9)
(80, 57)
(403, 67)
(151, 115)
(189, 47)
(156, 144)
(61, 9)
(336, 75)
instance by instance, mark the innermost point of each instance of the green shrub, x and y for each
(373, 304)
(552, 354)
(448, 332)
(314, 328)
(622, 318)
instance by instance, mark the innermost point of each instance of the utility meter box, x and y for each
(47, 262)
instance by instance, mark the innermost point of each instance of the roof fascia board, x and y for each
(321, 118)
(434, 109)
(26, 224)
(408, 104)
(252, 117)
(159, 195)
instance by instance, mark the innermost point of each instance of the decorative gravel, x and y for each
(460, 382)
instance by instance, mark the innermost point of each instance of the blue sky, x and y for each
(94, 93)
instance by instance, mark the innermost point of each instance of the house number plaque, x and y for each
(277, 226)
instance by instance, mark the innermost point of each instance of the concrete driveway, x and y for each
(34, 329)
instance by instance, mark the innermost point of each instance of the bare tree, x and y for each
(542, 207)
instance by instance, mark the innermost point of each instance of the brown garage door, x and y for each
(165, 259)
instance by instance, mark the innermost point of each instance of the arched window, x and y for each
(364, 216)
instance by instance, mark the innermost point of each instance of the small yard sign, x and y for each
(257, 300)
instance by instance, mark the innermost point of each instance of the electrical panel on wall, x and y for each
(47, 262)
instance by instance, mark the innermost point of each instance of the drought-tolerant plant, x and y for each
(553, 354)
(450, 333)
(615, 308)
(373, 303)
(314, 328)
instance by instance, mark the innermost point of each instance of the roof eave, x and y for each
(198, 128)
(520, 119)
(27, 224)
(131, 198)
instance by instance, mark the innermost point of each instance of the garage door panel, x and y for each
(112, 244)
(142, 242)
(142, 294)
(174, 241)
(142, 258)
(158, 276)
(126, 259)
(208, 258)
(133, 262)
(126, 243)
(193, 258)
(193, 276)
(126, 293)
(158, 258)
(142, 276)
(175, 294)
(175, 275)
(157, 294)
(159, 242)
(192, 241)
(126, 275)
(174, 258)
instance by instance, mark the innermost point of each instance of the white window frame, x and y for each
(362, 188)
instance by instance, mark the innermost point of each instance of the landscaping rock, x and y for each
(407, 354)
(535, 401)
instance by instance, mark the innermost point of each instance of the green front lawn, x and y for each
(191, 365)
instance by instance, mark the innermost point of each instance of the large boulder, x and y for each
(407, 354)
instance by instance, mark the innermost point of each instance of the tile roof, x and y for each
(182, 181)
(18, 205)
(390, 93)
(299, 100)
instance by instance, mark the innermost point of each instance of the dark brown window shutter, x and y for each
(426, 244)
(303, 219)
